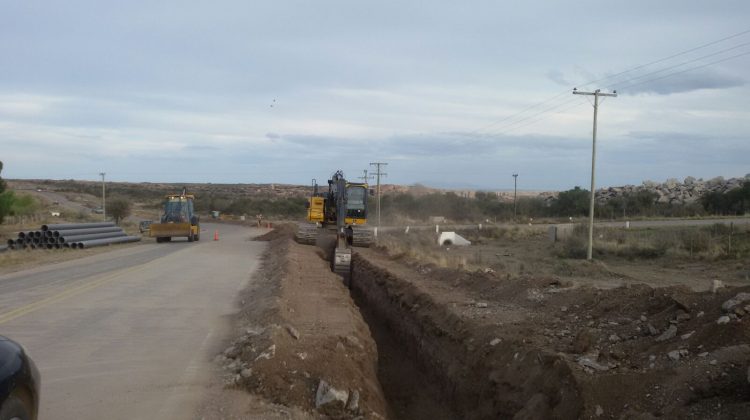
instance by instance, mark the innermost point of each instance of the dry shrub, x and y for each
(707, 242)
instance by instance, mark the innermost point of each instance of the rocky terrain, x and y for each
(673, 191)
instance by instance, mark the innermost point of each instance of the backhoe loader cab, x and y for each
(177, 220)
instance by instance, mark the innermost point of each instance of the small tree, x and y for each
(119, 208)
(573, 202)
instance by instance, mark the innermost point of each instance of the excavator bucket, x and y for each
(342, 260)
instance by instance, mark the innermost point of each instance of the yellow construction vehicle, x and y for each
(178, 220)
(343, 208)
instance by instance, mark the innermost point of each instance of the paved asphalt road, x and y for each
(129, 334)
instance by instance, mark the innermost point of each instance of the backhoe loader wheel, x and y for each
(197, 236)
(191, 238)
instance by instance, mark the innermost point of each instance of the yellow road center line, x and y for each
(31, 307)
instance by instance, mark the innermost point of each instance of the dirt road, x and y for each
(129, 333)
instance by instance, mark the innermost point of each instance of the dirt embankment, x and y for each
(301, 340)
(536, 348)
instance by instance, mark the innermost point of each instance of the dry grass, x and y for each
(421, 247)
(701, 243)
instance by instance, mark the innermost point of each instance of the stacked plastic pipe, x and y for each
(71, 235)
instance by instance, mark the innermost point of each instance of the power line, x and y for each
(685, 62)
(510, 126)
(575, 105)
(687, 70)
(536, 105)
(661, 60)
(519, 113)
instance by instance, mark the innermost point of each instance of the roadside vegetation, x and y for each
(119, 208)
(698, 243)
(405, 208)
(573, 203)
(12, 204)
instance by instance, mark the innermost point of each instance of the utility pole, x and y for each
(378, 174)
(515, 193)
(596, 94)
(104, 202)
(365, 177)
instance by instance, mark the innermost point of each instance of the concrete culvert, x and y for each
(452, 238)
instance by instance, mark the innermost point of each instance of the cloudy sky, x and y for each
(450, 94)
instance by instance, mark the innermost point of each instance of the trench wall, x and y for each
(477, 380)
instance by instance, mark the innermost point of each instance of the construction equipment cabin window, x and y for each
(176, 210)
(356, 201)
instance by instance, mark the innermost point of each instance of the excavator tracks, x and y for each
(307, 233)
(362, 237)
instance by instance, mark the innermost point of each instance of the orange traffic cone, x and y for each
(216, 235)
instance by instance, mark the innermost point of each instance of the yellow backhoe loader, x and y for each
(178, 220)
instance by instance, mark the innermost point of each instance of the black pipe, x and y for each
(107, 241)
(69, 226)
(80, 238)
(72, 232)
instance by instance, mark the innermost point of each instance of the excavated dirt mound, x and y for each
(301, 341)
(281, 230)
(535, 348)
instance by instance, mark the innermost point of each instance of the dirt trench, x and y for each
(475, 345)
(421, 342)
(433, 364)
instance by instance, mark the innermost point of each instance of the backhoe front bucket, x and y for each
(169, 230)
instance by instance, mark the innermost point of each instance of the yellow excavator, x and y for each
(178, 220)
(343, 208)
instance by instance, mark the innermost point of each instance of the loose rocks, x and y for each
(293, 332)
(328, 398)
(735, 301)
(669, 333)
